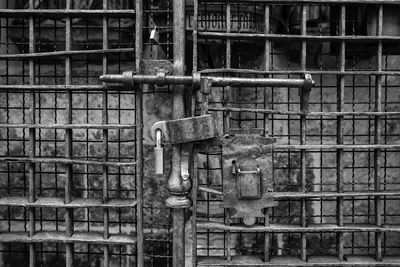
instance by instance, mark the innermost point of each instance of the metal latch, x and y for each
(248, 183)
(181, 131)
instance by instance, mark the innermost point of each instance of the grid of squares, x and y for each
(334, 169)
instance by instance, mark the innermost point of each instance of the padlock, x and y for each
(158, 154)
(154, 36)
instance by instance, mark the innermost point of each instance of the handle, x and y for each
(158, 154)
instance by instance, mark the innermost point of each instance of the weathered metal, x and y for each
(187, 129)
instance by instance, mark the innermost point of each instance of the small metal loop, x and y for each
(160, 78)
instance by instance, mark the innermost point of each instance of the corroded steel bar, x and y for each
(68, 161)
(104, 115)
(303, 132)
(32, 139)
(61, 13)
(58, 202)
(290, 2)
(216, 81)
(60, 237)
(69, 213)
(293, 71)
(67, 53)
(291, 228)
(335, 146)
(177, 186)
(139, 133)
(316, 195)
(339, 133)
(316, 113)
(348, 38)
(288, 261)
(71, 126)
(377, 137)
(80, 88)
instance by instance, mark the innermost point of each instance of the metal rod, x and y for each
(67, 53)
(60, 237)
(303, 133)
(106, 234)
(32, 139)
(71, 126)
(69, 213)
(216, 81)
(62, 13)
(139, 133)
(290, 228)
(290, 2)
(377, 138)
(339, 133)
(271, 36)
(301, 72)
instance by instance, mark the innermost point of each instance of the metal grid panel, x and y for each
(70, 175)
(334, 168)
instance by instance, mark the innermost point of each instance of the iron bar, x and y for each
(139, 134)
(321, 38)
(313, 195)
(32, 140)
(216, 81)
(300, 72)
(70, 126)
(104, 115)
(339, 133)
(292, 228)
(67, 161)
(313, 261)
(303, 137)
(57, 202)
(67, 53)
(377, 138)
(61, 237)
(62, 13)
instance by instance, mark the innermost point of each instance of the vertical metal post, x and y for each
(377, 138)
(267, 237)
(339, 132)
(303, 122)
(106, 249)
(194, 161)
(178, 187)
(139, 133)
(69, 247)
(32, 138)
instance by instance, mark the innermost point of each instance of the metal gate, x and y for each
(306, 91)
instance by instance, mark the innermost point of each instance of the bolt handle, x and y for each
(159, 160)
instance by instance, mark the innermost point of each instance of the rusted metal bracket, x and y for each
(304, 93)
(247, 165)
(187, 129)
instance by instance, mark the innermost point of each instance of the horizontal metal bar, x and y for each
(67, 53)
(290, 2)
(335, 146)
(216, 81)
(24, 87)
(301, 72)
(290, 228)
(352, 38)
(314, 261)
(66, 161)
(317, 113)
(309, 195)
(58, 202)
(60, 237)
(70, 126)
(62, 13)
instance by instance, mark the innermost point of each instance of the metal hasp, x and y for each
(187, 129)
(247, 171)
